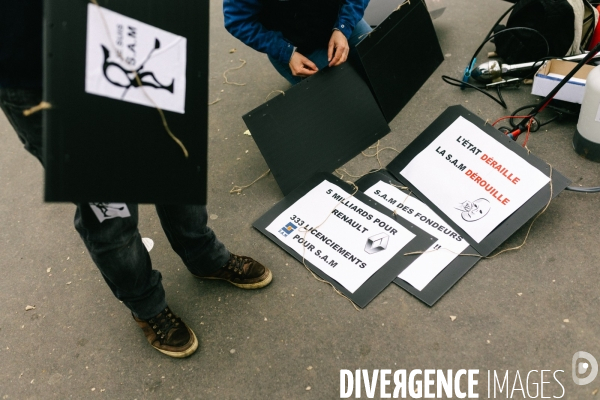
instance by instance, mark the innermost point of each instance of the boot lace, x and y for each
(164, 322)
(237, 263)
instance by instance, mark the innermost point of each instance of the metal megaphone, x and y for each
(490, 71)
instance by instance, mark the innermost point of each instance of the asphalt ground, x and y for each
(525, 310)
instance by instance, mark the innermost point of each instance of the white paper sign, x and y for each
(473, 179)
(348, 241)
(159, 58)
(106, 211)
(448, 246)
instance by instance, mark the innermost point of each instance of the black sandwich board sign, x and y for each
(343, 236)
(399, 55)
(318, 125)
(109, 68)
(436, 271)
(484, 184)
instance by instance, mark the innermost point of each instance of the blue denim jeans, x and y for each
(319, 56)
(115, 244)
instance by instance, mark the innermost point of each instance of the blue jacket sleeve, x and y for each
(242, 21)
(351, 12)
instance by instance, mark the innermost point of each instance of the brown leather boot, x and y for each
(243, 272)
(168, 334)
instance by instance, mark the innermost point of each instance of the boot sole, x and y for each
(256, 285)
(183, 354)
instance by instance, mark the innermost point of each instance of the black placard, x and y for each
(400, 55)
(318, 125)
(449, 275)
(380, 279)
(520, 216)
(103, 149)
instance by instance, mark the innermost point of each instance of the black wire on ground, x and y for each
(522, 126)
(537, 124)
(490, 36)
(457, 82)
(471, 65)
(536, 107)
(506, 30)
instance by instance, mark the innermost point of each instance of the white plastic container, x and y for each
(586, 140)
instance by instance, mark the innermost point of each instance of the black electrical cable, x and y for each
(489, 34)
(471, 65)
(538, 63)
(537, 124)
(499, 90)
(516, 28)
(536, 107)
(522, 126)
(463, 84)
(566, 79)
(500, 19)
(451, 81)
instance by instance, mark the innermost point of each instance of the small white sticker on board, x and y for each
(106, 211)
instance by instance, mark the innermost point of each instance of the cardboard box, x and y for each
(552, 72)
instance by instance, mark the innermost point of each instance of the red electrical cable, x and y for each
(517, 131)
(521, 117)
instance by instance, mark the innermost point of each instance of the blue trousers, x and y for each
(115, 244)
(319, 56)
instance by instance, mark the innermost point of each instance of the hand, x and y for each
(302, 66)
(338, 50)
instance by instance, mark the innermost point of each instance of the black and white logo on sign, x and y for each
(132, 61)
(127, 78)
(474, 210)
(377, 243)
